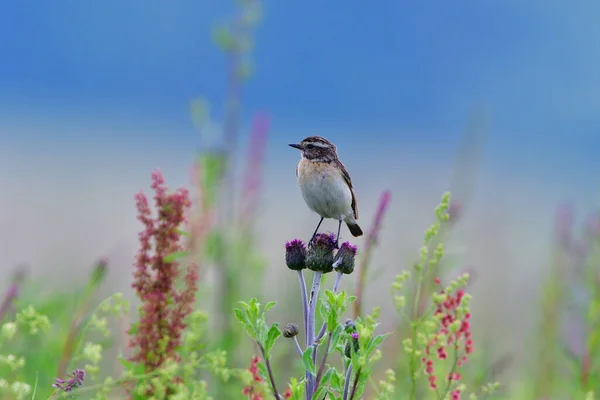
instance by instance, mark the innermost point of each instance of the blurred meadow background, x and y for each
(494, 101)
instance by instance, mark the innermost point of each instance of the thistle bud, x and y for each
(295, 255)
(351, 344)
(350, 327)
(345, 258)
(320, 254)
(290, 330)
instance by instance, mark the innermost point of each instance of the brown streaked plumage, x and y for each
(326, 184)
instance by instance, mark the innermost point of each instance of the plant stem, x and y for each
(414, 327)
(447, 389)
(298, 348)
(304, 304)
(355, 384)
(74, 330)
(323, 361)
(270, 371)
(310, 328)
(347, 381)
(336, 286)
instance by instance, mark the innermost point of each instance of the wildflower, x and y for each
(453, 331)
(165, 307)
(290, 330)
(345, 258)
(295, 255)
(75, 380)
(252, 391)
(319, 257)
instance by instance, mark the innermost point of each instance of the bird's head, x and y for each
(316, 148)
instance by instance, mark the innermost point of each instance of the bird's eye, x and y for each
(310, 146)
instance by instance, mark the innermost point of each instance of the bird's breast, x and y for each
(324, 189)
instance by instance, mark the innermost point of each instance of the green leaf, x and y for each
(246, 323)
(374, 343)
(169, 258)
(307, 360)
(327, 377)
(332, 320)
(240, 316)
(297, 388)
(321, 392)
(272, 336)
(331, 297)
(35, 385)
(324, 310)
(337, 381)
(336, 336)
(269, 305)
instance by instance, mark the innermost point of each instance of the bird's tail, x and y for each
(354, 229)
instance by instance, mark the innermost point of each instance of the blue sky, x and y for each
(407, 73)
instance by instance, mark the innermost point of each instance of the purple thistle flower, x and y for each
(345, 258)
(320, 255)
(75, 380)
(295, 255)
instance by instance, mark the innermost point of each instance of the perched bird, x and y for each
(325, 183)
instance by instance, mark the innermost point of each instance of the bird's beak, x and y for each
(296, 146)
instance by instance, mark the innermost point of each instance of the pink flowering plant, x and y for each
(439, 341)
(354, 341)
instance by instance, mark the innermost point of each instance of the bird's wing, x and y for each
(346, 177)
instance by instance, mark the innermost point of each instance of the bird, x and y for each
(326, 184)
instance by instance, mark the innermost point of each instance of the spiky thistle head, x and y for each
(344, 259)
(295, 255)
(320, 254)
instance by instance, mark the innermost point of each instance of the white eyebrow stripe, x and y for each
(319, 144)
